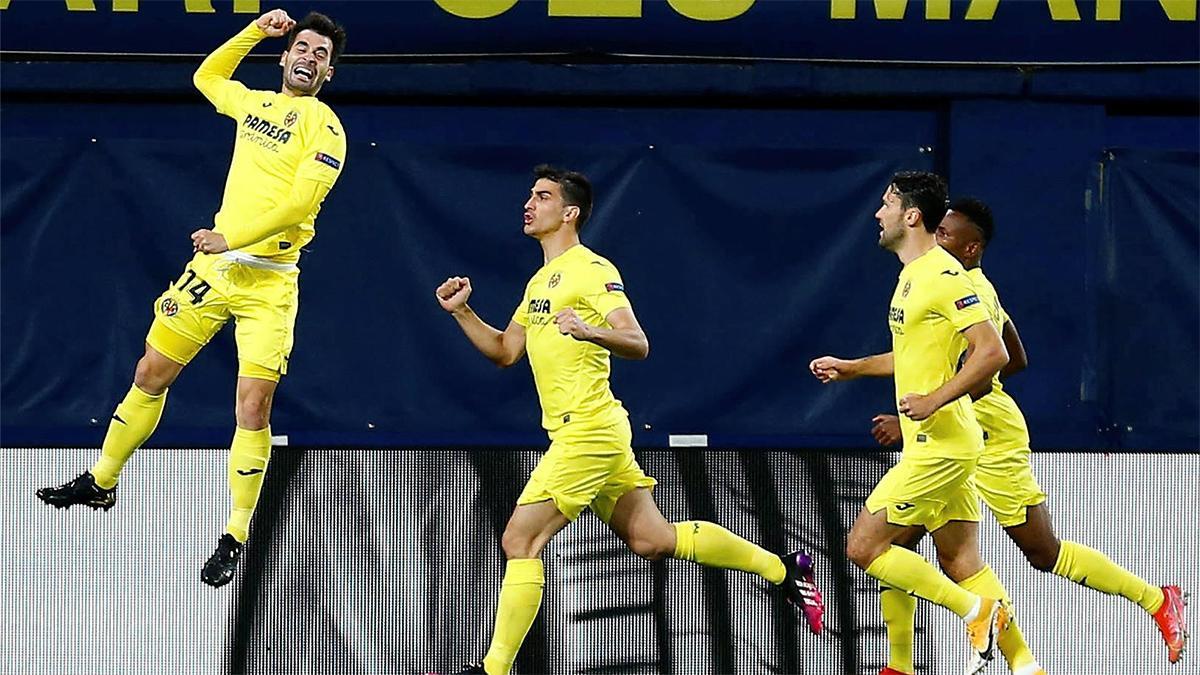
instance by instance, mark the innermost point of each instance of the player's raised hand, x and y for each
(453, 293)
(569, 323)
(830, 369)
(207, 241)
(886, 429)
(917, 407)
(275, 23)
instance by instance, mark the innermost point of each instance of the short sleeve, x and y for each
(606, 291)
(956, 300)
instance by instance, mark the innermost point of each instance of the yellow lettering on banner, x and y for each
(1063, 10)
(81, 6)
(247, 7)
(890, 9)
(982, 10)
(1108, 10)
(476, 9)
(613, 9)
(198, 7)
(1060, 10)
(125, 5)
(711, 10)
(3, 4)
(1179, 10)
(935, 10)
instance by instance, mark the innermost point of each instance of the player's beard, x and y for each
(300, 86)
(889, 240)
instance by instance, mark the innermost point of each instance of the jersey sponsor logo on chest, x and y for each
(271, 131)
(537, 312)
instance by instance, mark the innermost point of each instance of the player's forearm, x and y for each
(878, 365)
(976, 374)
(1017, 359)
(627, 343)
(218, 66)
(488, 340)
(304, 199)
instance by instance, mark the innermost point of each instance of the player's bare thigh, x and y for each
(872, 535)
(637, 520)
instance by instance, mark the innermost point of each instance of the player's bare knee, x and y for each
(861, 552)
(254, 412)
(651, 549)
(518, 545)
(1042, 556)
(154, 375)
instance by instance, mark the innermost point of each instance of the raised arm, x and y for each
(832, 369)
(503, 348)
(212, 78)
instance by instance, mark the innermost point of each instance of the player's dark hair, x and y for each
(576, 189)
(980, 215)
(924, 190)
(321, 25)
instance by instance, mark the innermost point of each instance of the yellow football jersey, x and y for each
(571, 375)
(281, 141)
(934, 301)
(1003, 424)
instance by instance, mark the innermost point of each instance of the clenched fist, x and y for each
(917, 407)
(830, 369)
(569, 323)
(453, 293)
(207, 241)
(275, 23)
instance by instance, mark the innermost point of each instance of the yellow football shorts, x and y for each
(586, 467)
(1007, 484)
(212, 290)
(927, 491)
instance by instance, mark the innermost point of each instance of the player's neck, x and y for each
(556, 244)
(916, 244)
(294, 94)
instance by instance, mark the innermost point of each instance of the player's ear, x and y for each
(283, 58)
(911, 216)
(572, 212)
(329, 74)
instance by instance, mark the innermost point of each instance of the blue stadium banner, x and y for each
(945, 31)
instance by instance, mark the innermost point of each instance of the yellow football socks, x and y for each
(132, 423)
(899, 611)
(520, 598)
(1011, 641)
(248, 457)
(907, 571)
(714, 546)
(1093, 569)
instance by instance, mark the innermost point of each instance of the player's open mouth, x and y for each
(302, 73)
